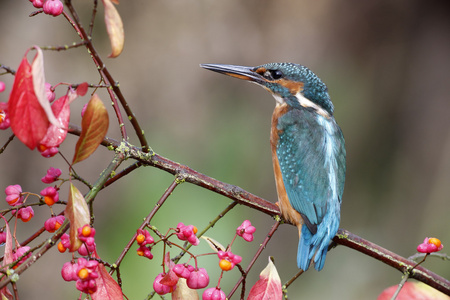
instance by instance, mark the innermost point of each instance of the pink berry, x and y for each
(51, 195)
(246, 230)
(53, 224)
(51, 176)
(183, 270)
(162, 289)
(213, 294)
(187, 233)
(25, 213)
(38, 3)
(53, 7)
(198, 279)
(2, 86)
(13, 195)
(69, 272)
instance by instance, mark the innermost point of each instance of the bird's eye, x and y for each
(276, 74)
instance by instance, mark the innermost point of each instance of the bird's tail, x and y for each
(315, 246)
(304, 248)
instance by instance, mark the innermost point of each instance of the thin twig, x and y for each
(107, 77)
(252, 262)
(11, 137)
(7, 69)
(147, 220)
(211, 224)
(64, 47)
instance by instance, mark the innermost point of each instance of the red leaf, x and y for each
(114, 27)
(77, 212)
(37, 72)
(107, 287)
(170, 278)
(268, 286)
(94, 126)
(413, 291)
(29, 121)
(61, 109)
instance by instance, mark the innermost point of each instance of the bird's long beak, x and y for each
(241, 72)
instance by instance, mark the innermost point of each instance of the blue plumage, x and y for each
(308, 153)
(311, 155)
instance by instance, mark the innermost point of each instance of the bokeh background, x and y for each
(386, 64)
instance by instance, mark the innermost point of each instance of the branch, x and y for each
(396, 261)
(243, 197)
(155, 160)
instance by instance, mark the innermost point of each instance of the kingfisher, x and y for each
(308, 153)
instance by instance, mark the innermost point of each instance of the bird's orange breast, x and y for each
(287, 211)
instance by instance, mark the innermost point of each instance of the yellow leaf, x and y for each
(183, 292)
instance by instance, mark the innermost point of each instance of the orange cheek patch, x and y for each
(293, 86)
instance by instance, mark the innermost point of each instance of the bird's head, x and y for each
(289, 83)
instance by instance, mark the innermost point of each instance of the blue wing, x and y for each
(311, 154)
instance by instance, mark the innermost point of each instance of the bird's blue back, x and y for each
(311, 154)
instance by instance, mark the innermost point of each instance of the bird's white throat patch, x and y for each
(308, 103)
(302, 101)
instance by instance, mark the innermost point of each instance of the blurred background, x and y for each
(386, 64)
